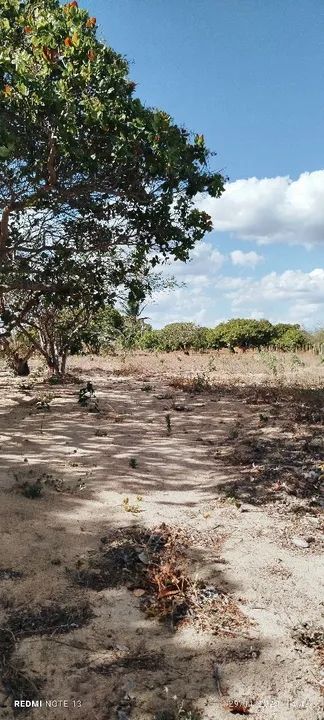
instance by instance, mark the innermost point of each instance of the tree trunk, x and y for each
(19, 365)
(53, 364)
(63, 363)
(57, 363)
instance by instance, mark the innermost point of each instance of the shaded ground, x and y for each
(237, 468)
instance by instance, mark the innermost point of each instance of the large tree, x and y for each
(92, 183)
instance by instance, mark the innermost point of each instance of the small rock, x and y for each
(138, 592)
(123, 714)
(316, 442)
(300, 542)
(122, 648)
(124, 709)
(311, 475)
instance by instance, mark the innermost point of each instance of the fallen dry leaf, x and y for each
(237, 708)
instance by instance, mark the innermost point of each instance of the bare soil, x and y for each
(162, 546)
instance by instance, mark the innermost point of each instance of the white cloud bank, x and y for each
(189, 303)
(245, 259)
(209, 296)
(294, 295)
(204, 265)
(262, 211)
(271, 210)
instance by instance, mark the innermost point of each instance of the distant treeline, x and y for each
(237, 333)
(112, 328)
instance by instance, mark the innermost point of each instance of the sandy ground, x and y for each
(239, 468)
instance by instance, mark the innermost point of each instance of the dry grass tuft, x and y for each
(154, 566)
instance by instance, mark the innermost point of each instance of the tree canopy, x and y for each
(93, 184)
(237, 332)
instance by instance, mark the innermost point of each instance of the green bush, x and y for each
(182, 336)
(215, 339)
(103, 331)
(243, 333)
(292, 339)
(112, 329)
(150, 340)
(239, 332)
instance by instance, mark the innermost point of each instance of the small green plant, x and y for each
(135, 509)
(32, 490)
(263, 418)
(168, 423)
(133, 462)
(85, 394)
(271, 361)
(233, 501)
(233, 433)
(186, 714)
(146, 387)
(87, 398)
(196, 384)
(178, 711)
(200, 383)
(212, 367)
(55, 380)
(43, 403)
(274, 364)
(296, 361)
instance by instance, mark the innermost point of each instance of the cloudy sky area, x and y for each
(247, 76)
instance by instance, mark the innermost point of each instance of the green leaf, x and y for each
(4, 151)
(4, 24)
(23, 89)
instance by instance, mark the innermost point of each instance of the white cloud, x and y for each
(271, 210)
(189, 302)
(245, 259)
(204, 260)
(200, 270)
(293, 295)
(291, 284)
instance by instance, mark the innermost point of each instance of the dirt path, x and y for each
(232, 469)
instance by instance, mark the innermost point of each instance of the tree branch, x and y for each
(52, 155)
(4, 230)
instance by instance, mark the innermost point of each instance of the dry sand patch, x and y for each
(240, 464)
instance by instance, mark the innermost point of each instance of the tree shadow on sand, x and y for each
(237, 442)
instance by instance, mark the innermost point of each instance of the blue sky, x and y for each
(249, 75)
